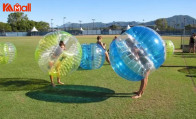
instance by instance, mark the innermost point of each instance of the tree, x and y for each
(177, 26)
(188, 27)
(30, 25)
(42, 26)
(114, 27)
(161, 24)
(18, 21)
(5, 27)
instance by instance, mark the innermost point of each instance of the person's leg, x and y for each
(191, 48)
(142, 86)
(107, 57)
(194, 49)
(52, 82)
(58, 73)
(50, 64)
(59, 80)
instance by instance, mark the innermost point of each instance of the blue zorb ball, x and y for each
(93, 56)
(137, 51)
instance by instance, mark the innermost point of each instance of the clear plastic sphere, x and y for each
(135, 52)
(93, 56)
(7, 53)
(169, 48)
(54, 59)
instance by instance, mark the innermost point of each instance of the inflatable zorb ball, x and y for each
(93, 56)
(53, 59)
(135, 52)
(7, 53)
(169, 48)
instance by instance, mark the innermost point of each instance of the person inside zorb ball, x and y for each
(169, 46)
(58, 54)
(8, 53)
(93, 56)
(135, 53)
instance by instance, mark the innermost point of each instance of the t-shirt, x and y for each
(58, 51)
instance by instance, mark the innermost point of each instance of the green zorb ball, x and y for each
(169, 48)
(7, 53)
(53, 59)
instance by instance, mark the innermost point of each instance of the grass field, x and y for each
(25, 91)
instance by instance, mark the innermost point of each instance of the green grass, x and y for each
(101, 93)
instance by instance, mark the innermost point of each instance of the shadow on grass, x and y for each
(184, 55)
(177, 66)
(187, 70)
(75, 94)
(187, 56)
(180, 53)
(191, 72)
(80, 69)
(106, 64)
(194, 76)
(20, 84)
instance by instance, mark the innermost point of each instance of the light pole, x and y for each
(143, 22)
(163, 24)
(69, 25)
(114, 23)
(93, 23)
(3, 29)
(57, 27)
(52, 24)
(106, 26)
(183, 35)
(184, 25)
(64, 22)
(80, 23)
(173, 26)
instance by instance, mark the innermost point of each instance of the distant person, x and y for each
(99, 41)
(192, 43)
(122, 31)
(115, 37)
(54, 64)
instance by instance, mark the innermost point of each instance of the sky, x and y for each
(102, 10)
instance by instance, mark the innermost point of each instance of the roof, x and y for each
(81, 29)
(34, 29)
(128, 27)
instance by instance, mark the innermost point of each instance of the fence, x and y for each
(13, 34)
(90, 32)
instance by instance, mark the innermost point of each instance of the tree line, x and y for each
(19, 22)
(162, 25)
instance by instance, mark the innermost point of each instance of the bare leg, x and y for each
(51, 64)
(142, 86)
(52, 82)
(190, 50)
(59, 81)
(107, 57)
